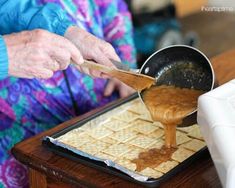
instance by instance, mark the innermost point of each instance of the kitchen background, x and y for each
(205, 24)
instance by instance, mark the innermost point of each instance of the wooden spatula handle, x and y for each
(96, 66)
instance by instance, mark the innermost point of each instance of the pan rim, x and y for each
(185, 46)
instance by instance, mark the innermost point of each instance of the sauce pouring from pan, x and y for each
(182, 74)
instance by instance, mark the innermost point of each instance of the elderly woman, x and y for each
(29, 106)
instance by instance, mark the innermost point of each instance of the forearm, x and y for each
(19, 15)
(3, 59)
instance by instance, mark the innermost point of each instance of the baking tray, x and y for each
(152, 182)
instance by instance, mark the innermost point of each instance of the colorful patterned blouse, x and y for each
(28, 107)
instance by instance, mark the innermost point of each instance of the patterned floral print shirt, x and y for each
(28, 107)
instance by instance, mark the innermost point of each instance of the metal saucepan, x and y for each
(181, 66)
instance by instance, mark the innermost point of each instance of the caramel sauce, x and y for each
(169, 105)
(152, 158)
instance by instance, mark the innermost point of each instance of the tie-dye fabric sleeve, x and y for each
(118, 30)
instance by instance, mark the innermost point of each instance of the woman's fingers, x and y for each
(101, 58)
(45, 50)
(64, 51)
(58, 48)
(83, 69)
(92, 48)
(109, 52)
(114, 84)
(39, 53)
(61, 57)
(125, 92)
(109, 89)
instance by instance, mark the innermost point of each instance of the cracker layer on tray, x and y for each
(125, 133)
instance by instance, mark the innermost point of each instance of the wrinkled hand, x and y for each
(92, 48)
(114, 84)
(38, 53)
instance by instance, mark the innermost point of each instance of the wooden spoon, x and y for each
(134, 80)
